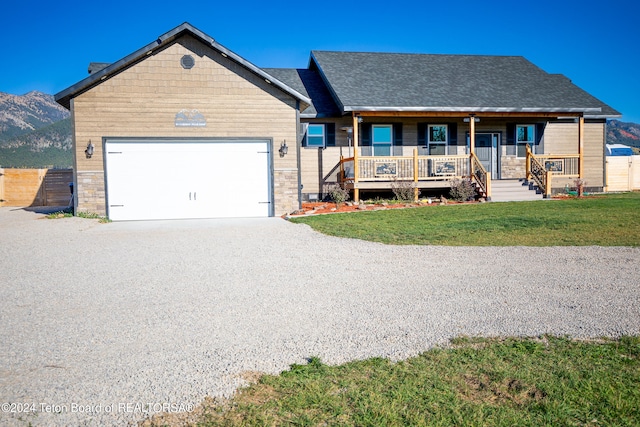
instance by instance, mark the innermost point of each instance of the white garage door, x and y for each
(187, 179)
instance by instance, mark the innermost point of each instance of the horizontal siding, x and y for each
(561, 138)
(594, 154)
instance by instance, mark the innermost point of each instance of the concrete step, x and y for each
(512, 190)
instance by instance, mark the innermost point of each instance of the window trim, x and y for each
(531, 141)
(431, 143)
(324, 136)
(375, 144)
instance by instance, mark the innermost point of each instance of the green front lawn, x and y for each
(479, 382)
(607, 220)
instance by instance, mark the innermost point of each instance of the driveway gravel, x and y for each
(106, 324)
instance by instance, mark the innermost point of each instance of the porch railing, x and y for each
(480, 175)
(415, 168)
(543, 167)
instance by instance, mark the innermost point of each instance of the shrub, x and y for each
(580, 184)
(404, 191)
(338, 194)
(462, 189)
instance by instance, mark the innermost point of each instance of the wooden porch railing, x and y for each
(480, 175)
(542, 168)
(415, 168)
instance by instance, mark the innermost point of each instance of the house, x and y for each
(186, 128)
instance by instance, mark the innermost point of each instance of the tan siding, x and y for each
(143, 100)
(594, 154)
(561, 138)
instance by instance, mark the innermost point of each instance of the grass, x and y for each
(546, 381)
(607, 220)
(68, 213)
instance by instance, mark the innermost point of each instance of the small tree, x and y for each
(404, 191)
(462, 189)
(580, 184)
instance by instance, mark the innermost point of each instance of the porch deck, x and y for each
(382, 172)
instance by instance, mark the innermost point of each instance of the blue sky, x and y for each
(48, 45)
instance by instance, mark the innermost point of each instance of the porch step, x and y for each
(512, 190)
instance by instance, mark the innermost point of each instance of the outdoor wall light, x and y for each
(89, 151)
(283, 148)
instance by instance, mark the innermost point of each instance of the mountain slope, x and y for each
(623, 133)
(35, 132)
(26, 113)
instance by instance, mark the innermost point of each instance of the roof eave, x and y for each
(64, 97)
(357, 108)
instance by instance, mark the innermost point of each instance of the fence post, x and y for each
(1, 186)
(527, 163)
(547, 187)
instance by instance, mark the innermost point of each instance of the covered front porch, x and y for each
(426, 170)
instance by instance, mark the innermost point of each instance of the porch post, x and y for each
(472, 141)
(581, 147)
(356, 169)
(416, 191)
(472, 133)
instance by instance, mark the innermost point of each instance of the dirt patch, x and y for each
(480, 389)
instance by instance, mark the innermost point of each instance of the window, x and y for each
(316, 136)
(437, 139)
(525, 134)
(382, 139)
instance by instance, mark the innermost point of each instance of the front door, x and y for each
(486, 149)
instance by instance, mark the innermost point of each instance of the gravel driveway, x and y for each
(107, 323)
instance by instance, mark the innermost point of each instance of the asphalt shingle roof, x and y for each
(393, 81)
(310, 84)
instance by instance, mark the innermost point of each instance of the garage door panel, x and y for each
(170, 180)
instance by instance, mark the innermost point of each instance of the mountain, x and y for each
(35, 131)
(26, 113)
(623, 133)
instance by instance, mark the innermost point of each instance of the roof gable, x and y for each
(99, 74)
(362, 81)
(310, 84)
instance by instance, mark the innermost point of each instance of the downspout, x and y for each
(298, 154)
(74, 145)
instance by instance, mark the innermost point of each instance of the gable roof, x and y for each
(310, 84)
(98, 74)
(361, 81)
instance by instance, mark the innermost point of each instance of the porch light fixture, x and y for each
(89, 151)
(283, 148)
(468, 119)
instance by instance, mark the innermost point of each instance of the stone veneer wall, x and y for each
(285, 191)
(512, 167)
(90, 193)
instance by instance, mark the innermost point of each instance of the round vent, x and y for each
(187, 62)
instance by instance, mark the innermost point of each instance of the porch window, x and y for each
(525, 134)
(316, 136)
(437, 139)
(382, 139)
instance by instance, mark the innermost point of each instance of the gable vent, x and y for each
(187, 62)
